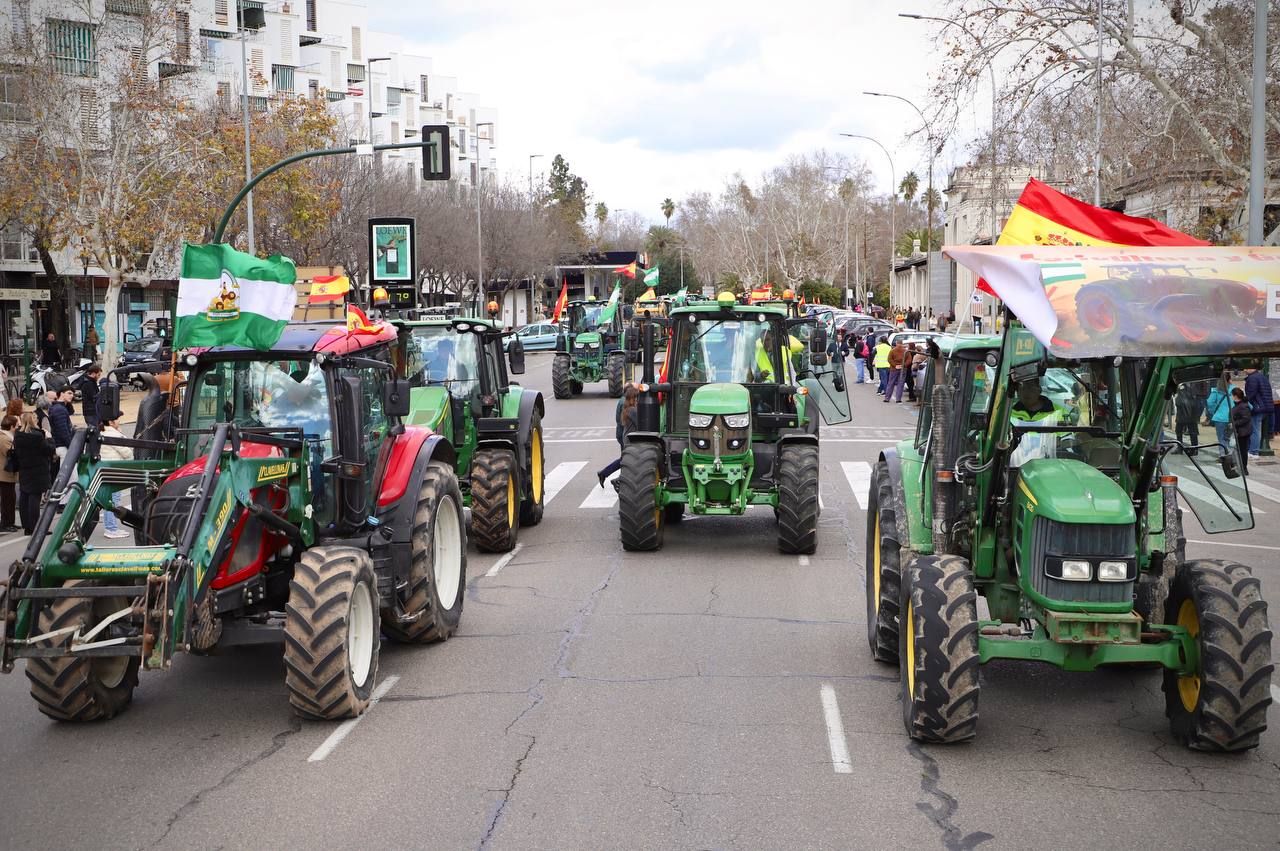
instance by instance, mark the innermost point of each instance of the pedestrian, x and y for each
(35, 455)
(89, 394)
(624, 424)
(60, 419)
(110, 522)
(14, 408)
(1217, 411)
(91, 341)
(933, 321)
(8, 474)
(896, 357)
(859, 351)
(1242, 422)
(882, 363)
(942, 324)
(43, 404)
(1187, 405)
(977, 324)
(1257, 392)
(50, 355)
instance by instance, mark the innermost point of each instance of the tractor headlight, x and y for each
(700, 420)
(1076, 571)
(738, 420)
(1113, 571)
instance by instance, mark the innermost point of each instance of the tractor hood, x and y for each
(587, 338)
(429, 407)
(720, 399)
(1071, 491)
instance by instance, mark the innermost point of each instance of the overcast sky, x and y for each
(659, 99)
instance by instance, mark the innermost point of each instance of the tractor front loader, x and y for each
(588, 350)
(1046, 484)
(286, 505)
(733, 421)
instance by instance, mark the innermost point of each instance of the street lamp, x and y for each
(893, 202)
(475, 183)
(368, 73)
(247, 19)
(946, 22)
(532, 157)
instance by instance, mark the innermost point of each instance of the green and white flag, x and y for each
(606, 315)
(651, 277)
(229, 298)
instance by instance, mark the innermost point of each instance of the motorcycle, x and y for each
(44, 378)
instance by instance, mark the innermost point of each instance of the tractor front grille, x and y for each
(1090, 541)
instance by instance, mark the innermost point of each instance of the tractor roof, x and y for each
(315, 336)
(708, 306)
(439, 322)
(950, 343)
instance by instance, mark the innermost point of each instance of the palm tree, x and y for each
(910, 183)
(932, 198)
(668, 209)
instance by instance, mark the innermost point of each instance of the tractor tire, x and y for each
(1223, 707)
(495, 500)
(1102, 315)
(532, 506)
(673, 512)
(575, 387)
(640, 518)
(938, 646)
(331, 633)
(81, 688)
(942, 404)
(438, 574)
(798, 499)
(560, 382)
(616, 367)
(884, 578)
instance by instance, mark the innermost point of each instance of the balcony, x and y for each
(174, 69)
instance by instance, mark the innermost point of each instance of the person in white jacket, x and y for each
(111, 523)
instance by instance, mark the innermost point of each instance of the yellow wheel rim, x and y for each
(535, 448)
(875, 564)
(909, 624)
(657, 509)
(1189, 687)
(511, 501)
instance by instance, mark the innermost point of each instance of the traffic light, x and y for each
(437, 159)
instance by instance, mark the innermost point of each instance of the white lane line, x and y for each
(504, 561)
(21, 539)
(804, 561)
(822, 504)
(1264, 491)
(585, 440)
(560, 476)
(859, 475)
(1275, 692)
(1226, 544)
(602, 497)
(880, 440)
(835, 731)
(1207, 494)
(336, 737)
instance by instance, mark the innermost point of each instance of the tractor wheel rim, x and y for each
(909, 624)
(512, 499)
(446, 552)
(535, 449)
(1189, 686)
(875, 564)
(1101, 316)
(361, 635)
(109, 671)
(657, 507)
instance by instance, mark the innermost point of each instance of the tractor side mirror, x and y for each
(818, 340)
(395, 398)
(515, 355)
(351, 436)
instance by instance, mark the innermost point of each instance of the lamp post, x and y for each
(893, 204)
(476, 185)
(1258, 127)
(246, 22)
(532, 157)
(368, 73)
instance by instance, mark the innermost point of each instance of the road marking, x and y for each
(1206, 493)
(822, 503)
(20, 539)
(559, 477)
(336, 737)
(804, 561)
(1264, 491)
(835, 731)
(585, 440)
(859, 475)
(605, 497)
(504, 561)
(880, 440)
(1275, 692)
(1226, 544)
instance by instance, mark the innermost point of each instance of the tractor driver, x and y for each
(764, 357)
(1033, 408)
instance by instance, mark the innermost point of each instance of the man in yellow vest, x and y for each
(881, 363)
(764, 358)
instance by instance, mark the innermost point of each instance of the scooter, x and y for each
(45, 377)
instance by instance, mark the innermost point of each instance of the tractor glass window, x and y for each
(257, 394)
(439, 355)
(1075, 395)
(729, 350)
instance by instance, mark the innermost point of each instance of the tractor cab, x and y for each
(589, 348)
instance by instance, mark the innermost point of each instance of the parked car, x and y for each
(909, 337)
(144, 350)
(863, 325)
(538, 336)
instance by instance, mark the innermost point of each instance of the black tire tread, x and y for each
(882, 614)
(560, 384)
(798, 499)
(492, 471)
(641, 526)
(615, 365)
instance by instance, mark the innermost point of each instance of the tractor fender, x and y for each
(894, 465)
(656, 439)
(798, 437)
(530, 401)
(412, 451)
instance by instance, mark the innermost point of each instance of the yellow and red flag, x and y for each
(1044, 216)
(358, 322)
(801, 302)
(328, 288)
(629, 270)
(561, 301)
(759, 294)
(647, 295)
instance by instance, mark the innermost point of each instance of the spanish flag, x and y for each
(764, 293)
(358, 321)
(328, 288)
(561, 301)
(1045, 216)
(629, 270)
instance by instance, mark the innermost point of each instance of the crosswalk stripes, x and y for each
(605, 497)
(858, 474)
(560, 476)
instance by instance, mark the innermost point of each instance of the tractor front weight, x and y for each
(1081, 643)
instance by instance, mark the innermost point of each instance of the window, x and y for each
(286, 41)
(282, 78)
(13, 106)
(313, 88)
(182, 36)
(72, 48)
(211, 52)
(257, 69)
(90, 119)
(220, 15)
(393, 96)
(355, 73)
(337, 81)
(422, 87)
(357, 52)
(311, 15)
(224, 96)
(14, 245)
(395, 132)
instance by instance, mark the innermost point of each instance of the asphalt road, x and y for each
(715, 694)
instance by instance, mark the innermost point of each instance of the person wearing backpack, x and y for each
(1242, 422)
(1217, 411)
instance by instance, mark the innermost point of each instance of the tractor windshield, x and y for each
(585, 317)
(440, 355)
(1076, 395)
(255, 394)
(736, 350)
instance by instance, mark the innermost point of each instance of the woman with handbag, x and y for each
(1242, 421)
(35, 457)
(1217, 412)
(8, 475)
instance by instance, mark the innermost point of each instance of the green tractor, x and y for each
(733, 421)
(1047, 486)
(282, 501)
(591, 347)
(461, 391)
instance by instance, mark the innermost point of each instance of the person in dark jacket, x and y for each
(60, 418)
(624, 425)
(50, 355)
(1187, 407)
(1242, 422)
(89, 395)
(1257, 392)
(35, 457)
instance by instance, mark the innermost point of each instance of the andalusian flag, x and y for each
(328, 288)
(229, 298)
(1045, 216)
(606, 315)
(651, 277)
